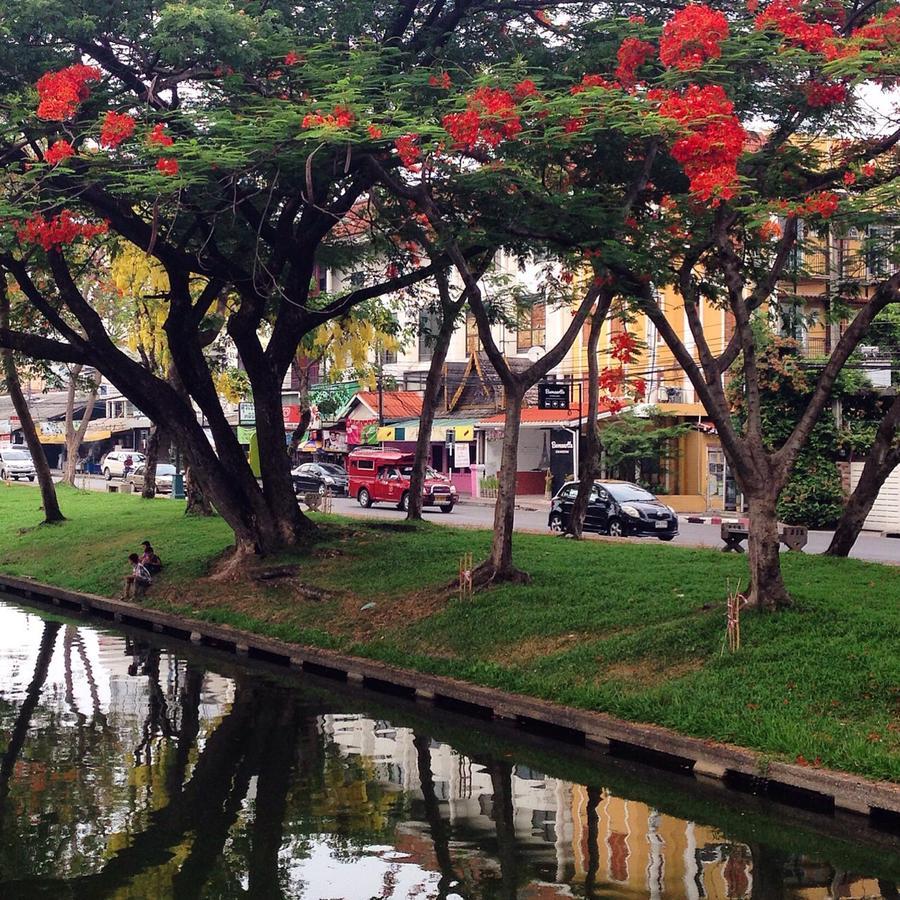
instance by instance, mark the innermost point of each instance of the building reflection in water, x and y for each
(579, 839)
(130, 771)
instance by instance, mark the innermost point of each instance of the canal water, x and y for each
(133, 768)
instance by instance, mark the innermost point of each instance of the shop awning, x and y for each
(463, 430)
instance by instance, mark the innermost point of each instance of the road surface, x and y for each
(870, 546)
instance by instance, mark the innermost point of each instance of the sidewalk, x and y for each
(529, 502)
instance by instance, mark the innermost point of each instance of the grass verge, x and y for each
(633, 629)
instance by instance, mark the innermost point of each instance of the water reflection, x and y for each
(130, 771)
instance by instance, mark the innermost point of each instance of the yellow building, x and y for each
(826, 266)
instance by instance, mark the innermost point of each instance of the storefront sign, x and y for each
(290, 414)
(246, 413)
(244, 434)
(553, 395)
(562, 456)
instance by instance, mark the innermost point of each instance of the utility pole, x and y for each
(380, 357)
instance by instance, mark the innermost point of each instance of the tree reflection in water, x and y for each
(155, 777)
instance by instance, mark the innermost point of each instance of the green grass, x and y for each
(633, 629)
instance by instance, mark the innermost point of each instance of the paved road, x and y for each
(869, 546)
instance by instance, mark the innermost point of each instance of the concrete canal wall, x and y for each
(812, 788)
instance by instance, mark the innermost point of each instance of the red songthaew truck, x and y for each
(382, 476)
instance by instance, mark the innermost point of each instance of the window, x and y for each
(388, 357)
(429, 325)
(532, 330)
(472, 342)
(368, 464)
(881, 246)
(414, 381)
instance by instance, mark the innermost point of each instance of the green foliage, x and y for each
(489, 484)
(813, 496)
(632, 438)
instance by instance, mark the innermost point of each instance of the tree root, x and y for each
(233, 564)
(486, 574)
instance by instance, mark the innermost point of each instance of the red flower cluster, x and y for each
(526, 88)
(823, 204)
(408, 150)
(590, 81)
(490, 116)
(611, 379)
(61, 92)
(632, 54)
(784, 16)
(339, 117)
(159, 137)
(116, 128)
(770, 230)
(58, 231)
(711, 141)
(637, 20)
(291, 59)
(692, 36)
(374, 132)
(573, 125)
(167, 166)
(623, 346)
(823, 93)
(882, 32)
(58, 152)
(440, 81)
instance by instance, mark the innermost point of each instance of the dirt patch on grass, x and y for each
(283, 594)
(538, 647)
(646, 672)
(363, 618)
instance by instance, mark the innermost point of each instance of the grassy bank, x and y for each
(633, 629)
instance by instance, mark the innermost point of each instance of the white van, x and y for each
(16, 463)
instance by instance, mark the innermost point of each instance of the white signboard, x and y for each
(461, 455)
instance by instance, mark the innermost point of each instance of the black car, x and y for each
(310, 478)
(616, 508)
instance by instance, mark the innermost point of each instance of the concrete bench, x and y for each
(794, 537)
(122, 487)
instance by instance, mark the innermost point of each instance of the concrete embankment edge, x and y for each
(814, 788)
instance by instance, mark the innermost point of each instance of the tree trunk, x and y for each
(26, 710)
(292, 527)
(883, 458)
(151, 458)
(52, 512)
(429, 408)
(440, 830)
(498, 566)
(75, 436)
(197, 502)
(767, 589)
(590, 458)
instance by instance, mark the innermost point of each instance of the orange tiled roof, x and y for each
(533, 416)
(396, 404)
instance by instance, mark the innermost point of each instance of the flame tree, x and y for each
(229, 142)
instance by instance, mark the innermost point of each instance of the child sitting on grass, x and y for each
(138, 581)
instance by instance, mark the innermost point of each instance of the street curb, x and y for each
(818, 789)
